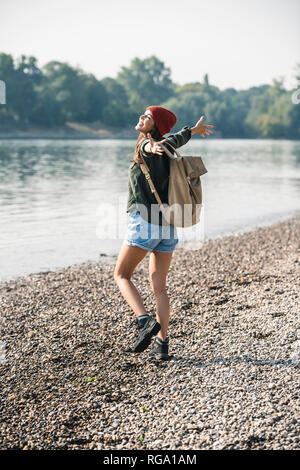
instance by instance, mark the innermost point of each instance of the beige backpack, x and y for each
(185, 191)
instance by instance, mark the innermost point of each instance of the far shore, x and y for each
(66, 133)
(77, 131)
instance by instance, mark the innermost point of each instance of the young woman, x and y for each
(147, 228)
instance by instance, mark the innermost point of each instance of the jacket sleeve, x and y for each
(142, 148)
(176, 140)
(180, 138)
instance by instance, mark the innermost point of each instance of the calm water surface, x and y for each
(64, 202)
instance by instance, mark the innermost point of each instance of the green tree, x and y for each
(254, 97)
(67, 84)
(68, 94)
(28, 75)
(294, 111)
(59, 93)
(233, 111)
(187, 106)
(269, 116)
(116, 112)
(20, 78)
(96, 98)
(206, 82)
(47, 111)
(193, 100)
(8, 76)
(147, 82)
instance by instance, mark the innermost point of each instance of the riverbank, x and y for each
(75, 130)
(71, 382)
(71, 130)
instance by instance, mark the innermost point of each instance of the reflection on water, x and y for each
(58, 197)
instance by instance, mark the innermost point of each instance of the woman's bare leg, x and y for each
(129, 258)
(158, 269)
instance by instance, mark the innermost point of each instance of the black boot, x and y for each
(147, 327)
(160, 349)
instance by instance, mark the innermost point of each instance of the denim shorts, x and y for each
(149, 236)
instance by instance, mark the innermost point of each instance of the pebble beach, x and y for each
(70, 381)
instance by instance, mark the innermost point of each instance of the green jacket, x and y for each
(139, 191)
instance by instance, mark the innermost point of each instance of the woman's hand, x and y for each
(201, 128)
(154, 147)
(151, 147)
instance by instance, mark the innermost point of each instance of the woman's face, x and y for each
(146, 123)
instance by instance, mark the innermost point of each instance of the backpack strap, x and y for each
(145, 170)
(170, 154)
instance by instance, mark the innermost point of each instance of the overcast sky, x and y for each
(238, 43)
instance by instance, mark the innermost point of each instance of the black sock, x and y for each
(160, 341)
(142, 318)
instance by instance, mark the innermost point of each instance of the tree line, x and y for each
(58, 93)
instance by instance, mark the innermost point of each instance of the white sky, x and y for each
(239, 43)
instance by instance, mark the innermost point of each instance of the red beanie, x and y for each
(164, 119)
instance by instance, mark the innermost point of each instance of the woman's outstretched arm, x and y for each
(201, 128)
(179, 139)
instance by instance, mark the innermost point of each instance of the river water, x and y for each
(63, 202)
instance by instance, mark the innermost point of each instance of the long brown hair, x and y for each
(136, 156)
